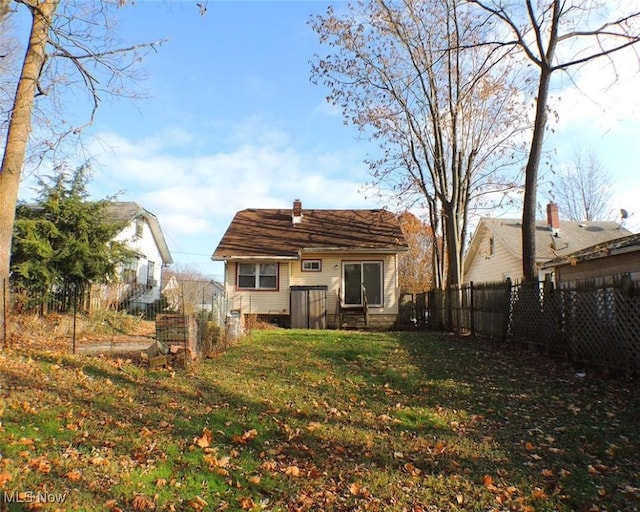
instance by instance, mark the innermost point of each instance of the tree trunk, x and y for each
(20, 127)
(454, 250)
(530, 271)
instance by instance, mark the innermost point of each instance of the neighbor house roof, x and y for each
(128, 211)
(571, 236)
(272, 233)
(625, 244)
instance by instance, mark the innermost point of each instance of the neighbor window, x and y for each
(130, 270)
(359, 276)
(139, 227)
(311, 265)
(151, 269)
(259, 276)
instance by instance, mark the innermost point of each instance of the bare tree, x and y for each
(68, 46)
(583, 189)
(441, 114)
(558, 35)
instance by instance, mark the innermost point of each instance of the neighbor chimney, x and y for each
(296, 215)
(553, 218)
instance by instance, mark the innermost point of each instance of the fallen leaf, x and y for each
(74, 476)
(293, 471)
(246, 503)
(487, 481)
(269, 465)
(141, 503)
(205, 439)
(246, 436)
(5, 477)
(538, 493)
(198, 504)
(313, 425)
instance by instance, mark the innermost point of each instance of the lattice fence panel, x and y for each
(530, 321)
(602, 327)
(627, 331)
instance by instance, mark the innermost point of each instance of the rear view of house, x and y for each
(313, 268)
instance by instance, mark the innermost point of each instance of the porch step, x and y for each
(353, 319)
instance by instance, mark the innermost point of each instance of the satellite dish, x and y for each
(624, 214)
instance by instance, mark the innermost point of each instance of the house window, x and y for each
(492, 246)
(151, 269)
(139, 227)
(258, 276)
(130, 270)
(311, 265)
(359, 276)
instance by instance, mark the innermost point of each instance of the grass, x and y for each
(319, 420)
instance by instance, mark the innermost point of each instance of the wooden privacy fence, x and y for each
(596, 324)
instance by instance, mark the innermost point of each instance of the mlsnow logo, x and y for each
(33, 497)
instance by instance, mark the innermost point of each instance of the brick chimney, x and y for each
(553, 218)
(296, 214)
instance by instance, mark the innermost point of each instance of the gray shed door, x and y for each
(308, 307)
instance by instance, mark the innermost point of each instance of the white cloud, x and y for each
(195, 197)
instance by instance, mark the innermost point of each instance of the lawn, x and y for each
(318, 420)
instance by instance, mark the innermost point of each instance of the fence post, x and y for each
(75, 312)
(472, 322)
(506, 310)
(548, 312)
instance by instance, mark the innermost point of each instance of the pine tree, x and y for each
(65, 239)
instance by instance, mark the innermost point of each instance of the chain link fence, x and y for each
(119, 313)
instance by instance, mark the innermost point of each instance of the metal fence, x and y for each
(95, 301)
(588, 322)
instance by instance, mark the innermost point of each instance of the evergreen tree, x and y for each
(65, 239)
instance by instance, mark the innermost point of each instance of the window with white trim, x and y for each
(311, 265)
(258, 276)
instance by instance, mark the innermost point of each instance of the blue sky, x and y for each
(232, 121)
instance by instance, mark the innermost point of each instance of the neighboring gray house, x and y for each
(495, 252)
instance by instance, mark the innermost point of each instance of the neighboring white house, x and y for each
(141, 275)
(495, 252)
(313, 268)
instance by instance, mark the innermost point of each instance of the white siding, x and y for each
(487, 267)
(145, 246)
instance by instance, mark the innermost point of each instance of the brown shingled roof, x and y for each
(271, 233)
